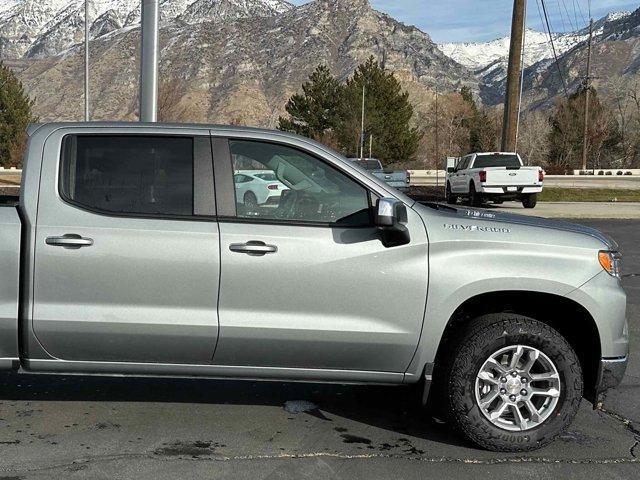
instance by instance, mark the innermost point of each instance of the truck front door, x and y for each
(127, 256)
(307, 283)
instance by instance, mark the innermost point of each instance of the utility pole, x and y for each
(587, 100)
(87, 104)
(149, 62)
(371, 145)
(362, 124)
(514, 78)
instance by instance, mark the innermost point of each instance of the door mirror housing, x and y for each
(391, 220)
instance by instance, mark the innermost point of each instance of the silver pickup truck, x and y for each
(399, 179)
(130, 253)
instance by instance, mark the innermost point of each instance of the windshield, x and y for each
(485, 161)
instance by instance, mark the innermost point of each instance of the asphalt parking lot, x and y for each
(77, 427)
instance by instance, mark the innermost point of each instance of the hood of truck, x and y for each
(480, 216)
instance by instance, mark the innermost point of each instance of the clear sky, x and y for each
(481, 20)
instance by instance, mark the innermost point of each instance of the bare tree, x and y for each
(533, 144)
(444, 129)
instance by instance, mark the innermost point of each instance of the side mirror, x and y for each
(451, 169)
(392, 219)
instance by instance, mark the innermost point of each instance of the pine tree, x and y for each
(15, 116)
(314, 112)
(388, 115)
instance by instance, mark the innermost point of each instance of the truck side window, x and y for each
(279, 183)
(129, 174)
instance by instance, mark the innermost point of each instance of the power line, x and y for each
(553, 48)
(578, 9)
(574, 26)
(564, 25)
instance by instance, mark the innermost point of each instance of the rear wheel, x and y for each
(514, 385)
(250, 200)
(475, 198)
(451, 198)
(530, 201)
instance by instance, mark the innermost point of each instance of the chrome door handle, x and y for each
(69, 241)
(253, 248)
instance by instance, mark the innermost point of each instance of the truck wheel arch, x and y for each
(569, 318)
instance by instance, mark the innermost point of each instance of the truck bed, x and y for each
(10, 238)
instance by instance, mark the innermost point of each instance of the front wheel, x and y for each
(451, 198)
(514, 385)
(530, 201)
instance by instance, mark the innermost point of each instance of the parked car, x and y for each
(400, 179)
(261, 187)
(496, 177)
(127, 254)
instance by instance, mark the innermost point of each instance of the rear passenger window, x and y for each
(129, 174)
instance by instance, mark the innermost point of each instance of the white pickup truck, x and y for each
(493, 177)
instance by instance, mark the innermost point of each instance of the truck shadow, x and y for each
(394, 409)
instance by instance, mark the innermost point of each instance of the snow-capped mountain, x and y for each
(42, 28)
(489, 60)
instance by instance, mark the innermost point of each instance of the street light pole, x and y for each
(149, 62)
(362, 125)
(87, 105)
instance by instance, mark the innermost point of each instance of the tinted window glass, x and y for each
(486, 161)
(305, 188)
(138, 175)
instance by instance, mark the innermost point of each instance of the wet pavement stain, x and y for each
(347, 438)
(188, 449)
(106, 426)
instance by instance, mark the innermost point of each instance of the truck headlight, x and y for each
(610, 261)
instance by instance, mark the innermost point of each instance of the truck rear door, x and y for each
(127, 256)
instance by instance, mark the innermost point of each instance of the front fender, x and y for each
(481, 263)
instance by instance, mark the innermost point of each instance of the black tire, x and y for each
(498, 202)
(451, 198)
(485, 336)
(250, 200)
(530, 201)
(475, 198)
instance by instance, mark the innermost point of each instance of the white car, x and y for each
(493, 177)
(258, 187)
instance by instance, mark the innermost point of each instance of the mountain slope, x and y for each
(245, 69)
(615, 64)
